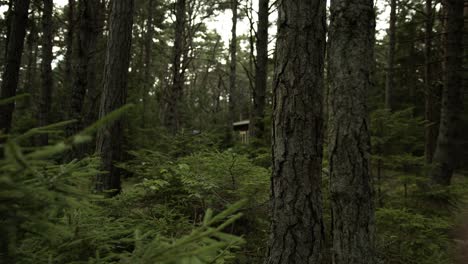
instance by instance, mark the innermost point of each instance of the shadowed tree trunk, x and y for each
(69, 37)
(15, 39)
(351, 63)
(172, 116)
(261, 71)
(148, 77)
(110, 137)
(47, 81)
(390, 79)
(297, 231)
(430, 115)
(31, 64)
(84, 54)
(233, 91)
(447, 154)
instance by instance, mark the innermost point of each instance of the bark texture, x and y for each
(390, 79)
(447, 154)
(83, 60)
(261, 71)
(351, 62)
(47, 80)
(172, 116)
(15, 42)
(110, 137)
(297, 231)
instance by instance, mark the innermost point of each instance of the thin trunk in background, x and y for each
(261, 71)
(390, 78)
(446, 156)
(351, 65)
(148, 77)
(69, 38)
(297, 229)
(15, 39)
(47, 81)
(172, 115)
(233, 91)
(110, 137)
(430, 97)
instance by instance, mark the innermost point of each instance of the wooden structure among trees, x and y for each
(242, 127)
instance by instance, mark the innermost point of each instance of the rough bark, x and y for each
(148, 77)
(17, 31)
(172, 116)
(446, 156)
(110, 137)
(261, 71)
(47, 81)
(297, 231)
(351, 62)
(430, 98)
(83, 61)
(390, 79)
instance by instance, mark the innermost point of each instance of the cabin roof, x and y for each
(241, 123)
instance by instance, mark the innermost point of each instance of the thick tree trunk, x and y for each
(261, 71)
(47, 83)
(233, 91)
(83, 61)
(172, 116)
(148, 77)
(94, 90)
(17, 31)
(390, 79)
(297, 231)
(110, 137)
(447, 154)
(351, 63)
(430, 98)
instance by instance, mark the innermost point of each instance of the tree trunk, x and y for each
(94, 90)
(447, 154)
(69, 37)
(31, 64)
(84, 56)
(390, 81)
(17, 31)
(172, 116)
(233, 93)
(261, 71)
(110, 137)
(297, 231)
(148, 77)
(45, 100)
(430, 98)
(351, 63)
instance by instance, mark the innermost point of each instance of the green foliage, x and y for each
(406, 237)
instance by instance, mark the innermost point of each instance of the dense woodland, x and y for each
(133, 131)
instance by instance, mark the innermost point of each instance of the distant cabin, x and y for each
(242, 127)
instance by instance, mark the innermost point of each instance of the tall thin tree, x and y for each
(297, 232)
(15, 43)
(351, 62)
(447, 154)
(109, 138)
(233, 91)
(148, 77)
(261, 71)
(431, 126)
(390, 78)
(47, 79)
(172, 115)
